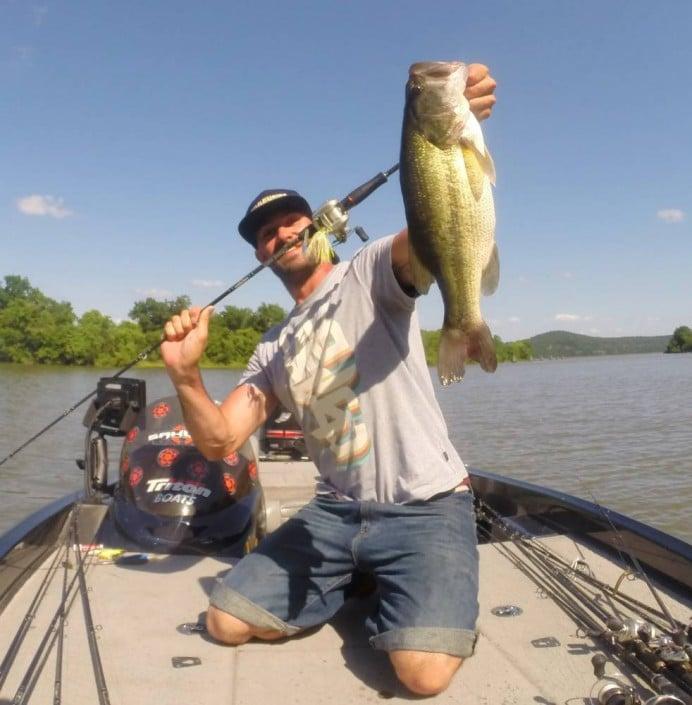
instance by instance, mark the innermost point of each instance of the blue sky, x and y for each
(143, 129)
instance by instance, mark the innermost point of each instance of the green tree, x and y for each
(234, 318)
(242, 344)
(219, 341)
(128, 340)
(151, 314)
(91, 342)
(267, 316)
(431, 342)
(33, 327)
(16, 287)
(681, 340)
(36, 329)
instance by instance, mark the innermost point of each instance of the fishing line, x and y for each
(637, 565)
(331, 216)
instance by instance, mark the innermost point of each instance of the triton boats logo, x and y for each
(167, 490)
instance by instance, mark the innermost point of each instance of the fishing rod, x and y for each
(99, 675)
(57, 681)
(331, 217)
(656, 656)
(51, 633)
(23, 629)
(637, 565)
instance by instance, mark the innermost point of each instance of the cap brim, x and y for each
(254, 220)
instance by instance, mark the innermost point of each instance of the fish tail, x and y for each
(451, 355)
(482, 347)
(457, 346)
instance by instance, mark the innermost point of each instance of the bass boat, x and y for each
(103, 593)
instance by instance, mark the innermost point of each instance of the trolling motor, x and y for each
(112, 413)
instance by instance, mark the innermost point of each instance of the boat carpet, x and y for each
(536, 657)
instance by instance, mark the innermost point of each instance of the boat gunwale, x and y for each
(669, 556)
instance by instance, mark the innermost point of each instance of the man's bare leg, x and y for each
(231, 630)
(424, 673)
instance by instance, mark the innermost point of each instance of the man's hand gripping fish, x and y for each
(446, 177)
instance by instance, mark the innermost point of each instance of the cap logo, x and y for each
(268, 199)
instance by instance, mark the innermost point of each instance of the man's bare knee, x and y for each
(425, 673)
(231, 630)
(227, 628)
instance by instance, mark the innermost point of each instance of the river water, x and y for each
(614, 429)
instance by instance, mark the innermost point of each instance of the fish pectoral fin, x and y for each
(491, 273)
(472, 136)
(421, 278)
(477, 170)
(488, 166)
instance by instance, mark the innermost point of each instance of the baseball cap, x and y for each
(265, 205)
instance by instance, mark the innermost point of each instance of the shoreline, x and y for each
(241, 366)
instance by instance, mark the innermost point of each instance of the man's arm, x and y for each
(215, 430)
(480, 89)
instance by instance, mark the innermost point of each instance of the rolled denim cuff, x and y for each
(442, 640)
(237, 605)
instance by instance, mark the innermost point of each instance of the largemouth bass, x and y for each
(446, 177)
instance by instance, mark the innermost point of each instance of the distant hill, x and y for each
(560, 343)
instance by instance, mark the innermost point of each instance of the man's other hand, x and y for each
(480, 87)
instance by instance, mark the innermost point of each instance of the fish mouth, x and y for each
(436, 70)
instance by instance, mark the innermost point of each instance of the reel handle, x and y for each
(362, 234)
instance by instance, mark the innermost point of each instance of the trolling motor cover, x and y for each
(171, 498)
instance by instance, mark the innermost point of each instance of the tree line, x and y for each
(35, 329)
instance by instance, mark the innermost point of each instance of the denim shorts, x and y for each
(422, 555)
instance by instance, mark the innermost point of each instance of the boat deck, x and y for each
(536, 657)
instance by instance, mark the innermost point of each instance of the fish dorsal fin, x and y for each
(491, 273)
(472, 135)
(420, 274)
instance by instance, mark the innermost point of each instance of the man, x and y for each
(393, 499)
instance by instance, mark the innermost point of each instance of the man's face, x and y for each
(275, 233)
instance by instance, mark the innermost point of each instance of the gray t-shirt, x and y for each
(349, 363)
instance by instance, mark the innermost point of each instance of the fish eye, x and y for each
(415, 88)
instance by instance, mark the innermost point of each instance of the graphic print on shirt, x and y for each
(322, 375)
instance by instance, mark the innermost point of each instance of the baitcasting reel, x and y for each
(332, 216)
